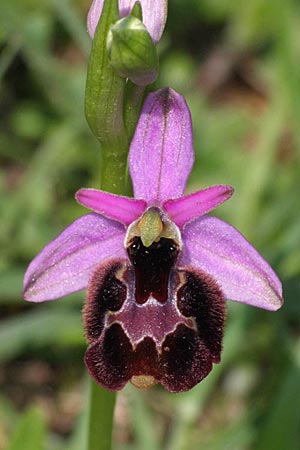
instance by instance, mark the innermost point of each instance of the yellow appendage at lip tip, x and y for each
(143, 381)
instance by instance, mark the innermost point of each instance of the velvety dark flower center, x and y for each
(148, 318)
(152, 267)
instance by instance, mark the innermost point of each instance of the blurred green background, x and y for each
(237, 63)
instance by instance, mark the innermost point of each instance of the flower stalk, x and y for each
(101, 412)
(101, 401)
(104, 113)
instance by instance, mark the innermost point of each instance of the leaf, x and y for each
(39, 327)
(30, 432)
(282, 427)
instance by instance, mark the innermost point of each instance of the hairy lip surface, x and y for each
(149, 318)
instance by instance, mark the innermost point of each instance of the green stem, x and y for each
(106, 114)
(113, 169)
(134, 96)
(101, 411)
(102, 402)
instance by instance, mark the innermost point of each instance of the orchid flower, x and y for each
(154, 15)
(157, 268)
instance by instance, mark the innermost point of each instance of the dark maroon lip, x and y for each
(148, 317)
(152, 266)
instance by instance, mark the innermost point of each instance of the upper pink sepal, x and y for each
(154, 15)
(161, 153)
(116, 207)
(185, 209)
(220, 250)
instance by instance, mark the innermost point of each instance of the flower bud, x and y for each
(132, 52)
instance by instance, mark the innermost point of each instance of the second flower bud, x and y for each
(132, 52)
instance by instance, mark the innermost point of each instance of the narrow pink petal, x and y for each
(94, 16)
(66, 264)
(154, 15)
(116, 207)
(220, 250)
(185, 209)
(161, 153)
